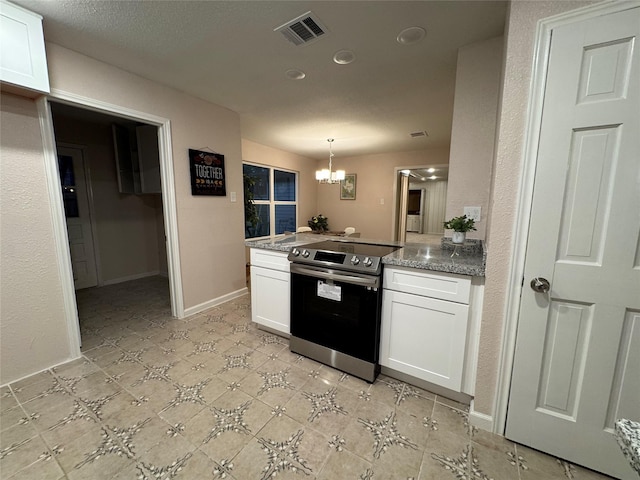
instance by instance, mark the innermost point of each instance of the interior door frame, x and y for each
(525, 199)
(90, 199)
(57, 209)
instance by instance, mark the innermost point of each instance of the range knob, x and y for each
(295, 252)
(367, 262)
(355, 260)
(305, 253)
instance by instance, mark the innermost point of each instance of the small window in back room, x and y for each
(270, 200)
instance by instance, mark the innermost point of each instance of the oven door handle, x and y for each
(364, 281)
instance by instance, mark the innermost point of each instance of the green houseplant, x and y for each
(460, 226)
(251, 217)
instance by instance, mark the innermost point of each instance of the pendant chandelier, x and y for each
(328, 175)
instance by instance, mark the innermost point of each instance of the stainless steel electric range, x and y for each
(336, 303)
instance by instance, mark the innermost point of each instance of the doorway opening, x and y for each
(111, 176)
(420, 203)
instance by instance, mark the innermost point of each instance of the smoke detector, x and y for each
(303, 29)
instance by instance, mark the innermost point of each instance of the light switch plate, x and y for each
(473, 213)
(233, 196)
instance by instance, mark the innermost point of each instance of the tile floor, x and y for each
(212, 397)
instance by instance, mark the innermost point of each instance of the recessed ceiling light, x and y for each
(411, 35)
(344, 57)
(295, 74)
(432, 177)
(431, 170)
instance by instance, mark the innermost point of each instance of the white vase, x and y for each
(458, 237)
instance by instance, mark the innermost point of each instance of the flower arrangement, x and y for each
(319, 223)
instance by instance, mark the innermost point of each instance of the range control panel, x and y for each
(351, 256)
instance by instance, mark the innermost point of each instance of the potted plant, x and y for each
(251, 217)
(460, 226)
(319, 223)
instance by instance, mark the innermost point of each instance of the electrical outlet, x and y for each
(473, 213)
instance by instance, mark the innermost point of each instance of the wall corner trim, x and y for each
(58, 221)
(480, 420)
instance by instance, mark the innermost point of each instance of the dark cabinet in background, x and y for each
(137, 159)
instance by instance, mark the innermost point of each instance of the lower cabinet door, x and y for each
(270, 298)
(424, 337)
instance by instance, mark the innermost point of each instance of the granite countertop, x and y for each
(466, 259)
(627, 433)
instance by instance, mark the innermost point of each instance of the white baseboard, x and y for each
(70, 359)
(214, 302)
(128, 278)
(480, 420)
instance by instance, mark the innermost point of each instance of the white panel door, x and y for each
(576, 366)
(76, 206)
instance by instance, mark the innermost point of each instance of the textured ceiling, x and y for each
(228, 53)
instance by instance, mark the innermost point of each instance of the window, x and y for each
(274, 196)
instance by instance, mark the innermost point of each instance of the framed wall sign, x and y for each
(348, 187)
(207, 173)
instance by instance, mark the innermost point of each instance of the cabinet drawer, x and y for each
(443, 286)
(270, 259)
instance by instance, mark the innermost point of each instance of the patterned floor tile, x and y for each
(283, 448)
(7, 400)
(213, 397)
(323, 406)
(23, 456)
(376, 428)
(344, 464)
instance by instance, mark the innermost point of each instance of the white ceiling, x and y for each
(228, 53)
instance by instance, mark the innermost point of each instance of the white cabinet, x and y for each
(23, 60)
(413, 223)
(425, 317)
(270, 289)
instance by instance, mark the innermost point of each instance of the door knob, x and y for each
(540, 285)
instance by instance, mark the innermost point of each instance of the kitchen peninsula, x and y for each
(430, 304)
(468, 259)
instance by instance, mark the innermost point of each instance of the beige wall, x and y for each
(211, 234)
(127, 225)
(375, 181)
(33, 328)
(520, 42)
(473, 131)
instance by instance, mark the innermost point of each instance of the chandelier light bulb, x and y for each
(328, 175)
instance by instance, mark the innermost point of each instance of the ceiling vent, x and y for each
(419, 134)
(302, 30)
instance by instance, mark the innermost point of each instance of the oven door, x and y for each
(337, 310)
